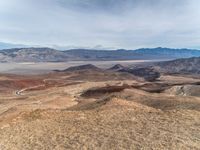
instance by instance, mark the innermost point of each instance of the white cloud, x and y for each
(111, 23)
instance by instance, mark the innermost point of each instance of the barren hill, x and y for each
(91, 108)
(185, 66)
(81, 68)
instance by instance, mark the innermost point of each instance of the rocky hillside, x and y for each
(185, 66)
(148, 73)
(80, 68)
(117, 67)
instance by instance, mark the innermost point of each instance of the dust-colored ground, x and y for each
(97, 110)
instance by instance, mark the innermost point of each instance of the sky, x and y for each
(101, 24)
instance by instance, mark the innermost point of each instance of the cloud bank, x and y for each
(108, 23)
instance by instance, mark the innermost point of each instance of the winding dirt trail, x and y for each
(19, 92)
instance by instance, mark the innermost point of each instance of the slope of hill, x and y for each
(117, 67)
(80, 68)
(52, 55)
(186, 66)
(147, 73)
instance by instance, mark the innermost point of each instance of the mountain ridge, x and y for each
(46, 54)
(183, 65)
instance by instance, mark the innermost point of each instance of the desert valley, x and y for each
(99, 75)
(151, 105)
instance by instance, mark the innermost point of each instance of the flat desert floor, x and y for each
(98, 110)
(45, 67)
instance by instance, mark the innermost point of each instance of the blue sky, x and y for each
(101, 23)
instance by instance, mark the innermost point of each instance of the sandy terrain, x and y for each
(91, 110)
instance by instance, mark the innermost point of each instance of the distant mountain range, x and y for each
(52, 55)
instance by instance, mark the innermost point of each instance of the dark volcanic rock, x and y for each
(80, 68)
(147, 73)
(117, 67)
(184, 66)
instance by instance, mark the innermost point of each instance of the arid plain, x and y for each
(87, 107)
